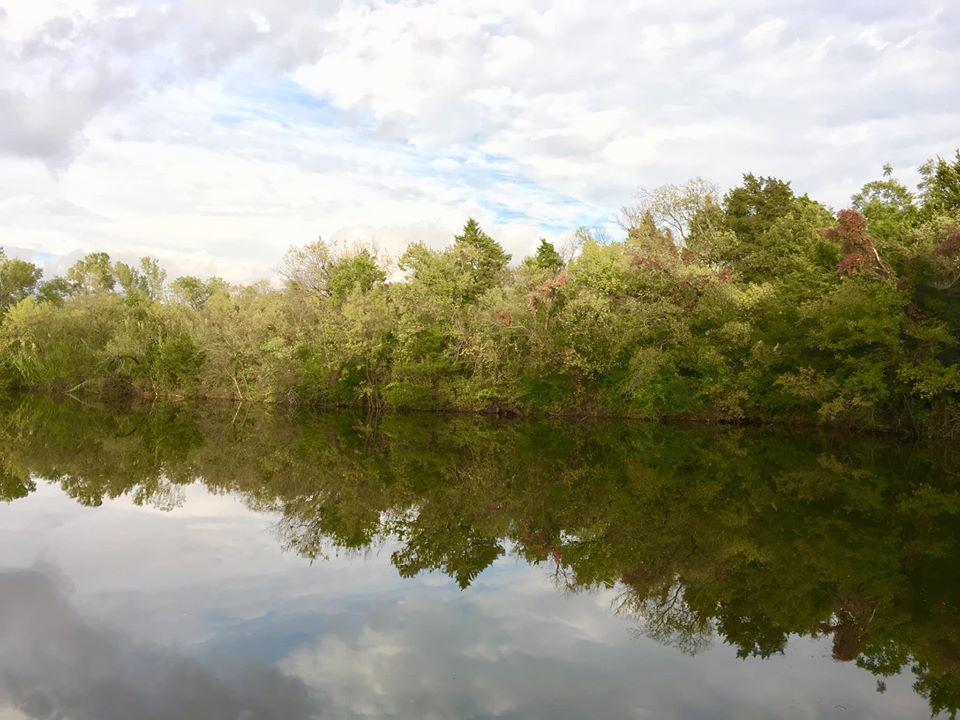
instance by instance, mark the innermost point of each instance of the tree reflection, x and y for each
(743, 535)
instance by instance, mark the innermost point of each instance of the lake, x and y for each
(184, 561)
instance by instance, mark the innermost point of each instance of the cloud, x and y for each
(512, 79)
(215, 135)
(53, 664)
(69, 67)
(515, 647)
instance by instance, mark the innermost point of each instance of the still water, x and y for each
(208, 562)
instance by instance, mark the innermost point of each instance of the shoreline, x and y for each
(696, 420)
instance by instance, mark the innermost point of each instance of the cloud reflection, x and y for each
(54, 664)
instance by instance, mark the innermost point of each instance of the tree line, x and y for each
(757, 304)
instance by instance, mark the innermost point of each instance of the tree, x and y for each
(753, 207)
(146, 281)
(55, 290)
(360, 271)
(888, 192)
(672, 207)
(888, 206)
(194, 292)
(307, 268)
(647, 239)
(772, 233)
(479, 257)
(18, 279)
(940, 185)
(860, 253)
(153, 278)
(760, 305)
(93, 274)
(547, 257)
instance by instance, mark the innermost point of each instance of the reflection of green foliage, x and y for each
(753, 536)
(14, 487)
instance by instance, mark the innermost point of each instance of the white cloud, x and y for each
(764, 36)
(215, 135)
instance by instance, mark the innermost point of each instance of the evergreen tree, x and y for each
(480, 258)
(547, 257)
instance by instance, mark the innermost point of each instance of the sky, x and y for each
(215, 134)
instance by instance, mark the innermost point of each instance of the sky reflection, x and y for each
(125, 611)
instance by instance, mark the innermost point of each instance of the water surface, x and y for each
(213, 562)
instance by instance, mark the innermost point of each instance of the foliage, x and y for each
(940, 185)
(547, 257)
(674, 208)
(756, 305)
(18, 279)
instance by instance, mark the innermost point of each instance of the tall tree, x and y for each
(480, 258)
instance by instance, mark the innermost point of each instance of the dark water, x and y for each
(182, 562)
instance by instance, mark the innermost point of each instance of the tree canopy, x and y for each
(757, 304)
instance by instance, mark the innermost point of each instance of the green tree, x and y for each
(754, 206)
(55, 290)
(194, 291)
(479, 258)
(18, 279)
(93, 274)
(940, 185)
(758, 306)
(360, 272)
(888, 206)
(547, 257)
